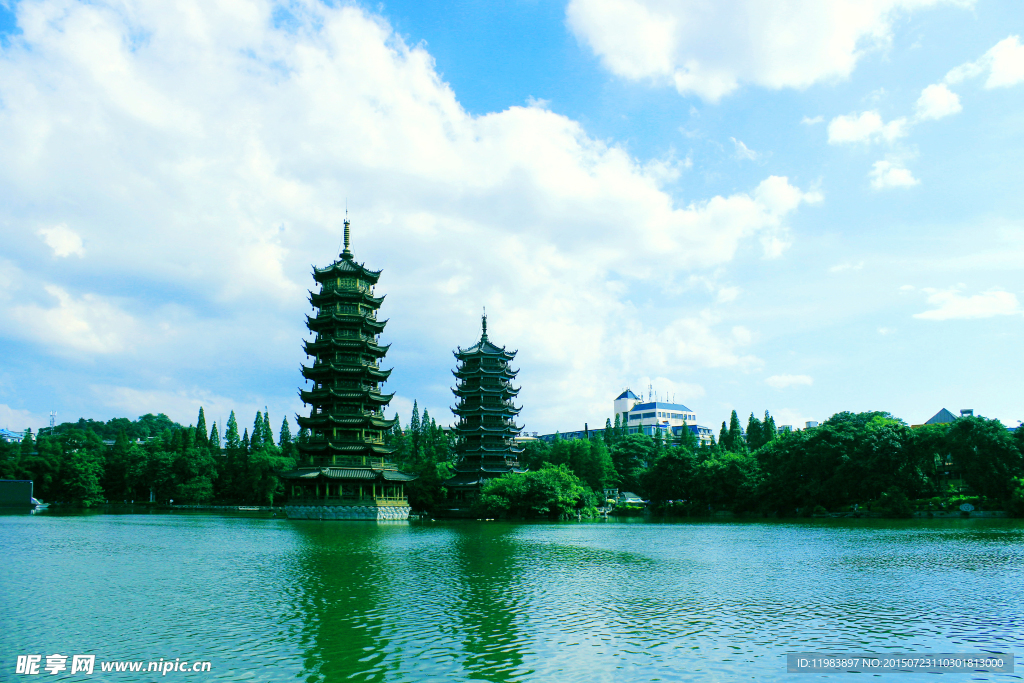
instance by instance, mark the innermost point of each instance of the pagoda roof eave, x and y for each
(345, 344)
(346, 266)
(325, 319)
(463, 392)
(487, 410)
(490, 372)
(345, 295)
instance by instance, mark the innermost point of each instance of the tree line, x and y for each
(870, 460)
(867, 461)
(86, 463)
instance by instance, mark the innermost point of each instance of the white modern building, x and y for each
(649, 417)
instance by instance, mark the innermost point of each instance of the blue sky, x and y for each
(803, 207)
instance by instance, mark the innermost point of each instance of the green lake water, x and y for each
(268, 599)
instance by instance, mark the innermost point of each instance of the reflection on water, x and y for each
(274, 600)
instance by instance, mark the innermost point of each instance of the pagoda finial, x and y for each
(347, 255)
(483, 337)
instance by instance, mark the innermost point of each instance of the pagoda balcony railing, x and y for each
(346, 337)
(487, 460)
(380, 501)
(350, 461)
(349, 361)
(348, 413)
(358, 441)
(359, 387)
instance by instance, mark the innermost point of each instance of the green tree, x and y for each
(286, 433)
(194, 471)
(535, 454)
(201, 438)
(256, 438)
(553, 492)
(81, 468)
(214, 439)
(28, 444)
(268, 433)
(631, 457)
(736, 441)
(671, 477)
(768, 429)
(231, 438)
(986, 455)
(755, 436)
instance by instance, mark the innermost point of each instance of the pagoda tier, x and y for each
(330, 373)
(344, 462)
(486, 428)
(331, 320)
(342, 297)
(325, 345)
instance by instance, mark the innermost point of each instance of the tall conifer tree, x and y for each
(231, 437)
(285, 437)
(268, 433)
(755, 439)
(768, 428)
(735, 433)
(214, 437)
(256, 439)
(414, 421)
(201, 428)
(27, 444)
(245, 440)
(723, 437)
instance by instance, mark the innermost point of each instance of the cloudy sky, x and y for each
(800, 206)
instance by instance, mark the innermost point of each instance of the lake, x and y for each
(267, 599)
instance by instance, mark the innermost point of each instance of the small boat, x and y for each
(248, 508)
(38, 504)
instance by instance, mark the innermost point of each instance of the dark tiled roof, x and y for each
(349, 473)
(941, 417)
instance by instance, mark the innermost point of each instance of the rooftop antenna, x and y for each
(53, 417)
(483, 337)
(347, 255)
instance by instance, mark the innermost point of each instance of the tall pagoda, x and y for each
(486, 428)
(344, 471)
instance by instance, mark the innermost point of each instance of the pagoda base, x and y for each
(355, 512)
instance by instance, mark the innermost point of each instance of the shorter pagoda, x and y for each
(486, 428)
(344, 469)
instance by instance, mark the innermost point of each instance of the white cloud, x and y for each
(840, 267)
(951, 305)
(889, 174)
(937, 101)
(711, 48)
(885, 331)
(742, 151)
(1004, 64)
(209, 165)
(784, 381)
(727, 294)
(63, 240)
(182, 405)
(18, 420)
(866, 127)
(89, 324)
(807, 121)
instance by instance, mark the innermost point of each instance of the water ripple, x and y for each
(275, 600)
